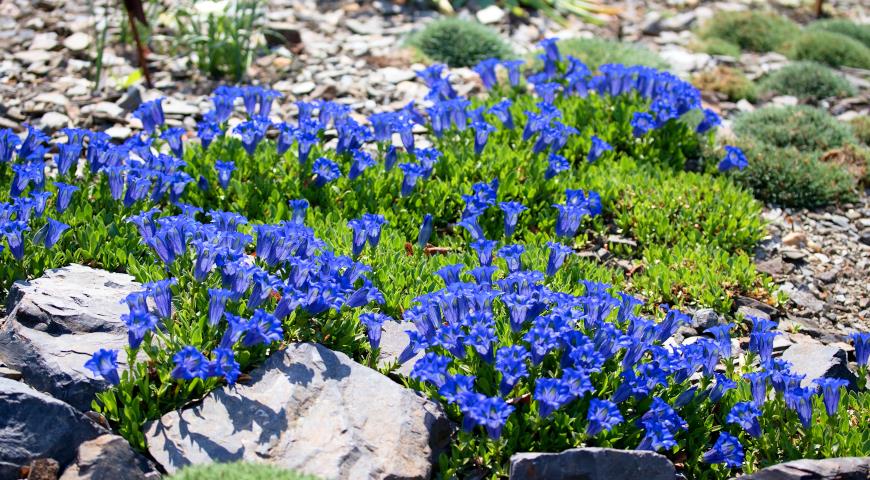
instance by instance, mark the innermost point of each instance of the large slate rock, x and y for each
(34, 425)
(592, 464)
(57, 322)
(845, 468)
(816, 361)
(109, 457)
(308, 409)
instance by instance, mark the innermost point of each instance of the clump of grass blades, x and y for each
(728, 81)
(844, 27)
(595, 52)
(237, 471)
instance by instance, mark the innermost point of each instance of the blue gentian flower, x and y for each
(224, 172)
(67, 157)
(50, 233)
(551, 49)
(512, 212)
(578, 381)
(481, 135)
(641, 123)
(431, 368)
(862, 348)
(173, 138)
(734, 158)
(206, 256)
(510, 361)
(602, 416)
(512, 255)
(761, 343)
(190, 363)
(746, 415)
(263, 329)
(325, 171)
(373, 323)
(597, 149)
(412, 172)
(34, 146)
(224, 365)
(8, 142)
(502, 111)
(161, 292)
(831, 393)
(801, 401)
(64, 195)
(13, 231)
(360, 234)
(484, 249)
(556, 164)
(450, 273)
(455, 386)
(551, 394)
(105, 364)
(723, 384)
(489, 412)
(723, 338)
(513, 68)
(382, 125)
(299, 207)
(558, 254)
(251, 133)
(471, 224)
(150, 114)
(486, 70)
(711, 120)
(373, 224)
(139, 322)
(425, 231)
(568, 222)
(207, 132)
(727, 450)
(758, 386)
(391, 157)
(361, 161)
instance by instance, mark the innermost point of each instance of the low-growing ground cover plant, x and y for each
(268, 232)
(844, 27)
(751, 30)
(788, 177)
(598, 51)
(458, 42)
(807, 81)
(237, 471)
(830, 48)
(803, 127)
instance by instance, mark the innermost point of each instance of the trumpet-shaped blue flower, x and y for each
(150, 114)
(105, 364)
(50, 233)
(801, 401)
(602, 416)
(374, 323)
(727, 450)
(831, 388)
(597, 149)
(734, 158)
(861, 341)
(551, 394)
(641, 123)
(224, 172)
(425, 231)
(486, 70)
(224, 365)
(64, 195)
(746, 415)
(190, 363)
(325, 171)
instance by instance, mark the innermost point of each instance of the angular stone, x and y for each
(77, 41)
(394, 341)
(592, 464)
(843, 468)
(309, 409)
(757, 305)
(489, 15)
(57, 322)
(34, 425)
(109, 457)
(705, 318)
(816, 361)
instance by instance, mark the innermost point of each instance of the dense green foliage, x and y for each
(830, 48)
(807, 81)
(751, 30)
(844, 27)
(861, 128)
(806, 128)
(458, 42)
(791, 178)
(597, 51)
(663, 233)
(237, 471)
(717, 46)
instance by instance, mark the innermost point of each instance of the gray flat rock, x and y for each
(592, 464)
(845, 468)
(308, 409)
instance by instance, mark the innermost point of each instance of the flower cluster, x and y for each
(490, 343)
